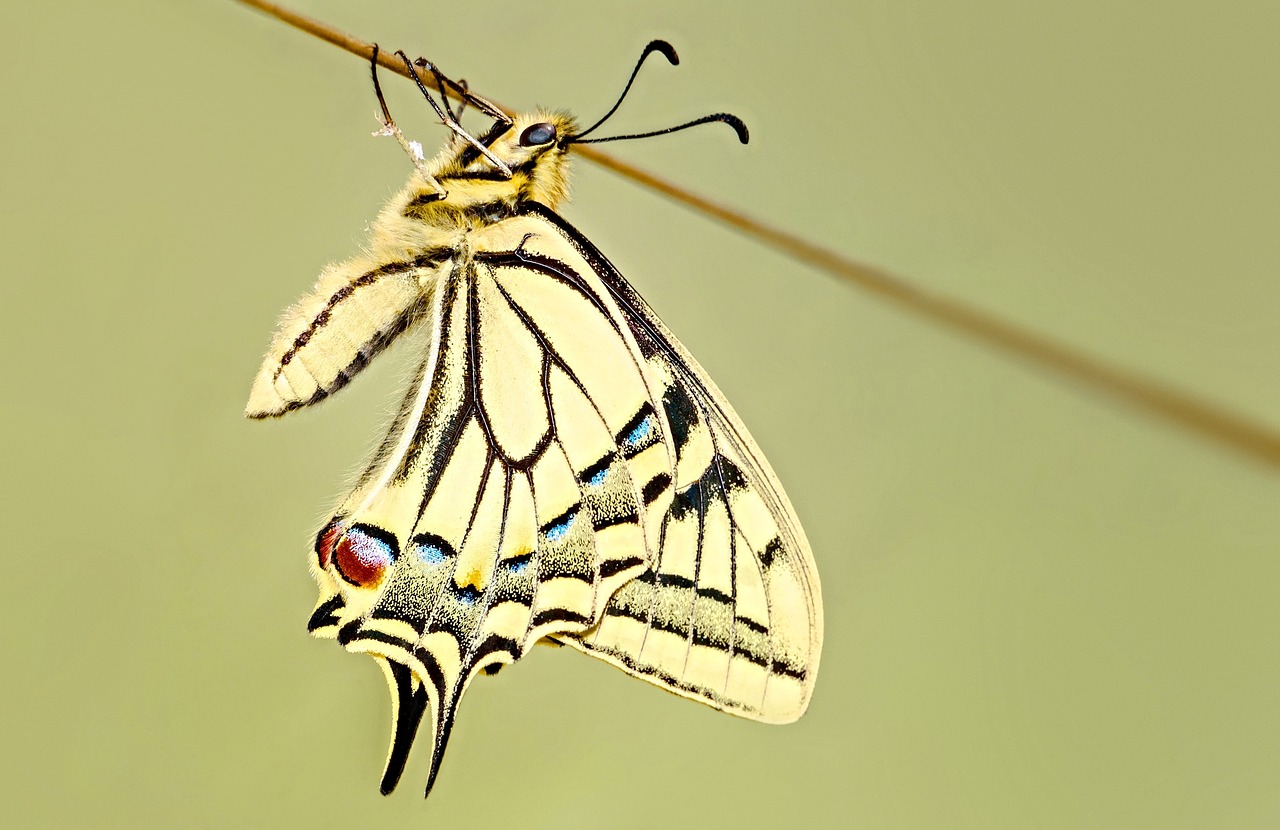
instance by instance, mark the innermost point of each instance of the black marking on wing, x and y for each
(411, 704)
(353, 631)
(666, 580)
(770, 551)
(655, 487)
(730, 476)
(687, 500)
(414, 616)
(516, 590)
(324, 615)
(714, 594)
(520, 561)
(563, 518)
(682, 414)
(779, 667)
(663, 677)
(599, 467)
(495, 644)
(609, 567)
(642, 414)
(348, 633)
(423, 540)
(600, 522)
(558, 615)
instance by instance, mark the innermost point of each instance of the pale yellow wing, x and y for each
(563, 469)
(523, 482)
(355, 310)
(730, 611)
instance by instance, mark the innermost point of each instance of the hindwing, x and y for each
(564, 469)
(523, 482)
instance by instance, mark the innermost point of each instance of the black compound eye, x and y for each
(535, 134)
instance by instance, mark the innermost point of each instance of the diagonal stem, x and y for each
(1204, 418)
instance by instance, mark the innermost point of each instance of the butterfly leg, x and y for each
(389, 127)
(446, 115)
(465, 94)
(463, 91)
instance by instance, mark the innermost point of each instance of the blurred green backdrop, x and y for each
(1043, 609)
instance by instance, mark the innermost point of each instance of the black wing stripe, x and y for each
(324, 616)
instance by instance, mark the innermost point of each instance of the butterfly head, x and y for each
(535, 147)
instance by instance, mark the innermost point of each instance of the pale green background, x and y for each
(1043, 609)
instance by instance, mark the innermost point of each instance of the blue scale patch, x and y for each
(637, 436)
(598, 479)
(431, 554)
(561, 528)
(518, 565)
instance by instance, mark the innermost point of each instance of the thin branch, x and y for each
(1210, 421)
(386, 58)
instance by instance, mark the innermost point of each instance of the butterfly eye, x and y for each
(363, 555)
(540, 133)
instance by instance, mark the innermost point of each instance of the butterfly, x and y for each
(561, 468)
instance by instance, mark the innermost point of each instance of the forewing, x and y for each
(510, 500)
(730, 611)
(355, 310)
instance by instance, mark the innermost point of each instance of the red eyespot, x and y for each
(363, 555)
(325, 540)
